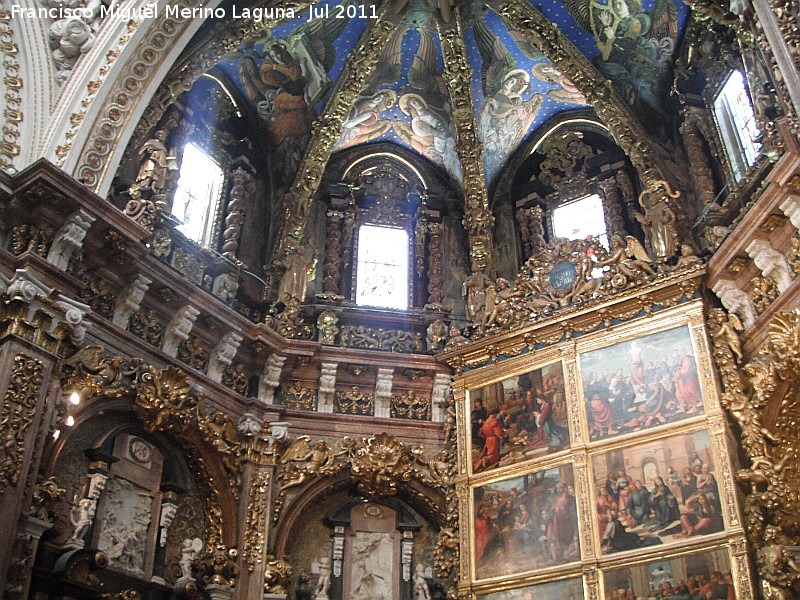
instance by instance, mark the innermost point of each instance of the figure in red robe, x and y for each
(493, 433)
(687, 385)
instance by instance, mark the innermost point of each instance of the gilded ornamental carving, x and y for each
(772, 516)
(17, 414)
(564, 275)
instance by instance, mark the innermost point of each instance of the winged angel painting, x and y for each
(509, 108)
(423, 121)
(636, 46)
(285, 79)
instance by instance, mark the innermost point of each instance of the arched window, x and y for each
(737, 124)
(581, 219)
(197, 195)
(382, 275)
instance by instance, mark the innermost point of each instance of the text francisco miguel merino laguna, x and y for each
(174, 11)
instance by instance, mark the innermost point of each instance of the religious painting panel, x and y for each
(525, 523)
(658, 493)
(687, 577)
(640, 384)
(520, 418)
(567, 589)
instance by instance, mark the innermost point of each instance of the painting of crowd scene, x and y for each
(642, 383)
(658, 493)
(697, 577)
(568, 589)
(519, 418)
(526, 523)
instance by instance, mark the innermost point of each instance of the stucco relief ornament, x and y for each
(565, 273)
(277, 575)
(381, 463)
(772, 481)
(217, 566)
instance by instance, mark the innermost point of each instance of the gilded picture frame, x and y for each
(710, 572)
(648, 381)
(525, 523)
(519, 418)
(660, 493)
(681, 332)
(571, 588)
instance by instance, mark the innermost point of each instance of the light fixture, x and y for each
(56, 434)
(70, 421)
(75, 398)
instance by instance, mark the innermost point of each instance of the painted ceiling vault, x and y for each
(284, 77)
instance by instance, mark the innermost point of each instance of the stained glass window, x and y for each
(382, 268)
(737, 123)
(581, 219)
(196, 198)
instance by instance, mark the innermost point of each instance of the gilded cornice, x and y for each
(478, 219)
(540, 329)
(610, 108)
(326, 129)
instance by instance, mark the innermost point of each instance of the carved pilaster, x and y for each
(22, 413)
(612, 203)
(435, 275)
(242, 189)
(34, 322)
(478, 219)
(332, 267)
(258, 483)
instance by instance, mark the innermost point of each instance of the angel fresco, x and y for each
(506, 114)
(430, 132)
(636, 46)
(566, 90)
(285, 80)
(364, 123)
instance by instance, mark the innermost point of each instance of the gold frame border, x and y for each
(593, 566)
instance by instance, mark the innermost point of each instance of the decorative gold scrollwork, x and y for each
(19, 407)
(772, 481)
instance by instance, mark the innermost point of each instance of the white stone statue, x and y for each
(324, 582)
(421, 590)
(190, 549)
(82, 516)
